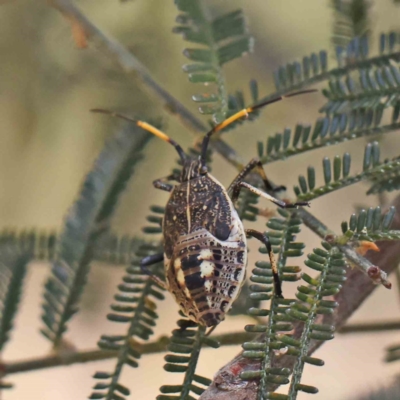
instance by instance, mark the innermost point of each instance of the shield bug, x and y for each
(205, 248)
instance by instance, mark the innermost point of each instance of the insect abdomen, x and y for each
(205, 275)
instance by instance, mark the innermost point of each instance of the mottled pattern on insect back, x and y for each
(205, 253)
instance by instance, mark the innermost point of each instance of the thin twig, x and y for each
(370, 327)
(68, 358)
(227, 384)
(374, 272)
(115, 51)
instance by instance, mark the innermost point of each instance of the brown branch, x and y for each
(72, 357)
(113, 50)
(374, 272)
(227, 384)
(370, 327)
(84, 32)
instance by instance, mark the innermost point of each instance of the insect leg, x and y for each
(255, 163)
(258, 192)
(151, 260)
(211, 330)
(161, 184)
(264, 239)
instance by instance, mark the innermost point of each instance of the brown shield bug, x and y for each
(205, 248)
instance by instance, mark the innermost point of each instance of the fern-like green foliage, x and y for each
(115, 249)
(393, 353)
(372, 86)
(354, 57)
(155, 219)
(134, 306)
(351, 19)
(380, 173)
(370, 226)
(40, 245)
(222, 39)
(12, 273)
(327, 131)
(329, 262)
(282, 234)
(185, 346)
(376, 87)
(88, 218)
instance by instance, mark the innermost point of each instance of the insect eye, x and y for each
(203, 170)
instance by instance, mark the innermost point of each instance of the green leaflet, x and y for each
(12, 273)
(330, 264)
(115, 249)
(223, 39)
(373, 85)
(155, 219)
(282, 234)
(40, 245)
(327, 131)
(350, 20)
(393, 353)
(370, 226)
(134, 306)
(337, 174)
(185, 346)
(314, 68)
(372, 88)
(86, 221)
(36, 244)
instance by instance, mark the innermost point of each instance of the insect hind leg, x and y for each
(151, 260)
(265, 240)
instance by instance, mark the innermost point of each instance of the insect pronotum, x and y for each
(205, 248)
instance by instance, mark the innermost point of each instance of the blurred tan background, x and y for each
(49, 140)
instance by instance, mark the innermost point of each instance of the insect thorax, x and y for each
(205, 250)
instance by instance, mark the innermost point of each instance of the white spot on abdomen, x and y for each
(206, 268)
(205, 254)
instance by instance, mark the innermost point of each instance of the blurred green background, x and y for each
(49, 140)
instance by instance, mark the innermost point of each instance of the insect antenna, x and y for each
(242, 114)
(147, 127)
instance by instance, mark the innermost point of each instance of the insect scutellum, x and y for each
(205, 246)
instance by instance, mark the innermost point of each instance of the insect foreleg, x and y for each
(264, 239)
(161, 183)
(151, 260)
(255, 163)
(258, 192)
